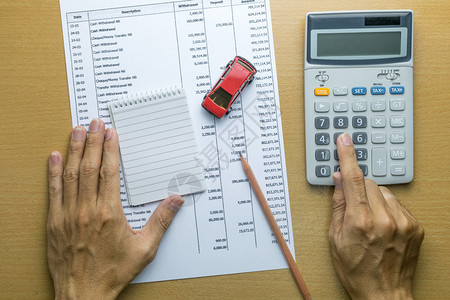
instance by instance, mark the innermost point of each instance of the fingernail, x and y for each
(175, 203)
(94, 126)
(346, 139)
(54, 158)
(77, 133)
(108, 134)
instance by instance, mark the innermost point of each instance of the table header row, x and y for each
(158, 8)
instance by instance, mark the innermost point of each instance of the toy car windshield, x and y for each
(221, 97)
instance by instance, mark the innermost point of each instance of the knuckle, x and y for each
(108, 171)
(53, 225)
(420, 232)
(406, 227)
(83, 219)
(105, 215)
(88, 168)
(364, 224)
(54, 189)
(151, 254)
(94, 140)
(54, 174)
(76, 148)
(387, 224)
(71, 174)
(163, 222)
(355, 175)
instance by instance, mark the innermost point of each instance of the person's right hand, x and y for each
(375, 241)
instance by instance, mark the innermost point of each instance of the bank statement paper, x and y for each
(115, 49)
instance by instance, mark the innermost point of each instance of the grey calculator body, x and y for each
(359, 80)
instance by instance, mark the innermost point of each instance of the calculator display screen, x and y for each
(358, 44)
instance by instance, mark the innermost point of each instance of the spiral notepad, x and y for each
(158, 149)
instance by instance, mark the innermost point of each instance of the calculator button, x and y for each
(322, 154)
(322, 122)
(364, 169)
(397, 90)
(397, 121)
(378, 121)
(378, 90)
(340, 91)
(340, 106)
(322, 106)
(336, 135)
(322, 138)
(378, 138)
(397, 105)
(359, 122)
(397, 137)
(340, 122)
(379, 166)
(378, 105)
(398, 153)
(398, 170)
(323, 171)
(359, 91)
(358, 106)
(359, 138)
(322, 91)
(337, 168)
(336, 156)
(361, 153)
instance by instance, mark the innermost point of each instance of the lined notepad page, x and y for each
(157, 146)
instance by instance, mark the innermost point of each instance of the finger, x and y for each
(338, 205)
(390, 198)
(377, 202)
(55, 182)
(352, 176)
(109, 186)
(160, 221)
(90, 164)
(72, 169)
(394, 206)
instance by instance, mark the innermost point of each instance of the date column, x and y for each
(83, 82)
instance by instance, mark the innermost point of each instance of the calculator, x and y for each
(359, 80)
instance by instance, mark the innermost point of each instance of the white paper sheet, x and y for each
(117, 48)
(158, 148)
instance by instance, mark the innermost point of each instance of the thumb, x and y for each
(161, 219)
(338, 204)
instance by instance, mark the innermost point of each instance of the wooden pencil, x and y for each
(276, 230)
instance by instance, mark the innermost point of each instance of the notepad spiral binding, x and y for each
(129, 101)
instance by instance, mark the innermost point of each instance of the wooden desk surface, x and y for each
(35, 119)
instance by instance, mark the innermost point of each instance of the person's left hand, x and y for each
(93, 253)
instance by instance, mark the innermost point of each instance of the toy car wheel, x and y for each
(204, 97)
(228, 112)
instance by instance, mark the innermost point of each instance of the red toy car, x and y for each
(237, 75)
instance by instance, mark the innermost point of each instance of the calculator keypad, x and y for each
(376, 118)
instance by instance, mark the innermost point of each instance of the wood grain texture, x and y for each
(35, 119)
